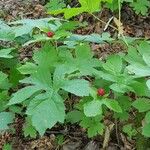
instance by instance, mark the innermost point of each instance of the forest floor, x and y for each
(75, 139)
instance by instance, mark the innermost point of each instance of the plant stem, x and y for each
(103, 21)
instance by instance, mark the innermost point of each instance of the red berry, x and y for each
(50, 34)
(101, 92)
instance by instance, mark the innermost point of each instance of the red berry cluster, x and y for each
(50, 34)
(101, 92)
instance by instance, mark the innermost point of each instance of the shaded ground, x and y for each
(75, 137)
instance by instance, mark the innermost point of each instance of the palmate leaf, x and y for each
(6, 32)
(142, 104)
(112, 71)
(139, 65)
(26, 26)
(4, 82)
(77, 86)
(113, 64)
(47, 76)
(113, 105)
(5, 53)
(83, 61)
(40, 81)
(95, 38)
(46, 111)
(93, 125)
(141, 7)
(86, 6)
(146, 130)
(23, 94)
(55, 5)
(93, 108)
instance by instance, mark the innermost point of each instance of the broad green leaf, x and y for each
(93, 108)
(46, 112)
(78, 87)
(146, 130)
(3, 77)
(16, 109)
(7, 146)
(93, 125)
(6, 118)
(140, 88)
(91, 5)
(120, 88)
(83, 51)
(4, 96)
(6, 33)
(113, 64)
(148, 84)
(86, 6)
(142, 104)
(97, 128)
(146, 58)
(5, 53)
(25, 26)
(28, 68)
(113, 105)
(55, 5)
(147, 117)
(95, 38)
(133, 56)
(139, 70)
(28, 129)
(74, 116)
(4, 82)
(37, 38)
(105, 76)
(60, 73)
(141, 7)
(129, 130)
(46, 57)
(144, 48)
(124, 102)
(23, 94)
(83, 61)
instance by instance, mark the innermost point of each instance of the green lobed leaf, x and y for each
(28, 129)
(146, 130)
(142, 104)
(6, 118)
(147, 117)
(78, 87)
(112, 104)
(74, 116)
(113, 64)
(45, 111)
(148, 84)
(23, 94)
(93, 108)
(5, 53)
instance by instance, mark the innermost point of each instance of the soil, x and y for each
(75, 137)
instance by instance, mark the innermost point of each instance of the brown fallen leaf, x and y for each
(119, 26)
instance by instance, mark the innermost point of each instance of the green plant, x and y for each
(139, 65)
(129, 130)
(89, 6)
(7, 147)
(117, 86)
(140, 7)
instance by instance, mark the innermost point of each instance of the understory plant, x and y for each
(115, 88)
